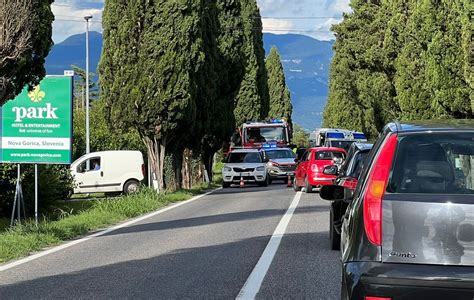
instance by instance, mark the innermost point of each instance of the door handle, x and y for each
(101, 173)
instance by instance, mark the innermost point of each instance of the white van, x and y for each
(108, 172)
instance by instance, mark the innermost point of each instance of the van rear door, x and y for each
(428, 207)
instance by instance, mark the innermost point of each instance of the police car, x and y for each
(248, 165)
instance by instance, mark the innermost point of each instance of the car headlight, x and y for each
(227, 169)
(269, 164)
(260, 169)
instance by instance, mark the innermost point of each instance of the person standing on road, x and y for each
(300, 150)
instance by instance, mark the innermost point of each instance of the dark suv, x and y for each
(408, 232)
(347, 176)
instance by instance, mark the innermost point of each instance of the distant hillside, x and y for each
(305, 60)
(72, 51)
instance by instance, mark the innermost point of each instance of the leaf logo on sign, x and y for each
(36, 95)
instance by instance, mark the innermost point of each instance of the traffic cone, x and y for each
(289, 183)
(242, 183)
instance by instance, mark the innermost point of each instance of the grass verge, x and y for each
(27, 238)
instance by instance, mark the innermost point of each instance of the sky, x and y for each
(308, 17)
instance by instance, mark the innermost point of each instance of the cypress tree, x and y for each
(280, 100)
(252, 100)
(148, 71)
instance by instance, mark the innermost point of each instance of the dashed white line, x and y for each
(72, 243)
(254, 281)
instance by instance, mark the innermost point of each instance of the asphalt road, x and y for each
(204, 249)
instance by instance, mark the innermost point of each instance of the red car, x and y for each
(309, 172)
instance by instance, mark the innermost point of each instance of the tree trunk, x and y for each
(187, 169)
(207, 159)
(177, 167)
(156, 153)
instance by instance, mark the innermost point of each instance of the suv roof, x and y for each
(433, 125)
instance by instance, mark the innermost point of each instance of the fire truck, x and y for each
(275, 133)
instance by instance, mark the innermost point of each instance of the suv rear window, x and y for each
(435, 163)
(328, 155)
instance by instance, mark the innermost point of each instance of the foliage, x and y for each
(300, 135)
(102, 137)
(280, 100)
(402, 59)
(152, 54)
(54, 183)
(252, 100)
(25, 41)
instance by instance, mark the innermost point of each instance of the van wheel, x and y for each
(131, 186)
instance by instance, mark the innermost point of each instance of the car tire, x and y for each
(265, 182)
(225, 185)
(270, 180)
(334, 237)
(308, 188)
(296, 188)
(130, 187)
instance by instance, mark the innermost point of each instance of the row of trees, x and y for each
(403, 59)
(185, 73)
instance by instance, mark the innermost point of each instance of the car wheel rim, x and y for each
(132, 188)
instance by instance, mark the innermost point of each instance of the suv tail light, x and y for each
(376, 185)
(143, 170)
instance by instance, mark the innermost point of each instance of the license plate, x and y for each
(244, 174)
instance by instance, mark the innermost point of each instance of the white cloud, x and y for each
(306, 17)
(69, 17)
(70, 13)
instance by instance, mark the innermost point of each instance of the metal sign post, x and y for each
(18, 200)
(36, 195)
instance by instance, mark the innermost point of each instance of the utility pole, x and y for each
(87, 18)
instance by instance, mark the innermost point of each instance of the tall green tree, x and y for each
(152, 54)
(360, 89)
(252, 100)
(280, 99)
(25, 41)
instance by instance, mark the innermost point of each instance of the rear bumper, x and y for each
(408, 281)
(318, 181)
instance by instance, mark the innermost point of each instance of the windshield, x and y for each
(244, 157)
(329, 155)
(435, 163)
(341, 144)
(278, 154)
(265, 134)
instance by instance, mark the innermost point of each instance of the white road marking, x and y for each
(254, 282)
(72, 243)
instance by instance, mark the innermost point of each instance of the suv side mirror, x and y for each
(331, 170)
(336, 193)
(297, 160)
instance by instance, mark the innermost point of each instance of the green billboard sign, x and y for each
(36, 127)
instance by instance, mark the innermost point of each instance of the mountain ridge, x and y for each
(305, 61)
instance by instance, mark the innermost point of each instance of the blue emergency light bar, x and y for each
(359, 136)
(269, 145)
(276, 121)
(335, 135)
